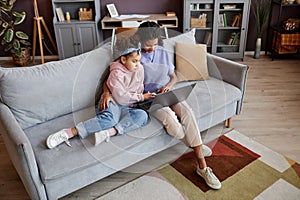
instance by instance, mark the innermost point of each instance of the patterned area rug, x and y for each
(247, 170)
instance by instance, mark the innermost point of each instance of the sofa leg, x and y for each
(229, 121)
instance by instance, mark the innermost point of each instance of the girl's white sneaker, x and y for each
(101, 136)
(57, 138)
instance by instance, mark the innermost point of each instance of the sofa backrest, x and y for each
(39, 93)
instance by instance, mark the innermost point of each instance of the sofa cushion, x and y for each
(191, 61)
(211, 95)
(207, 97)
(64, 160)
(169, 44)
(39, 93)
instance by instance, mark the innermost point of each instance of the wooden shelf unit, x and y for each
(280, 41)
(161, 19)
(225, 31)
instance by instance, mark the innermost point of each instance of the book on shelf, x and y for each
(239, 23)
(208, 38)
(234, 39)
(236, 22)
(229, 41)
(229, 6)
(170, 14)
(224, 19)
(60, 14)
(221, 20)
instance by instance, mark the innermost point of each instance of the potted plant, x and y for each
(13, 40)
(261, 10)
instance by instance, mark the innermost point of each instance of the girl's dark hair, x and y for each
(149, 31)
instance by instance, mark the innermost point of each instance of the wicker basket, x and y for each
(86, 14)
(198, 23)
(291, 24)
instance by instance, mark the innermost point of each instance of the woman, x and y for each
(179, 119)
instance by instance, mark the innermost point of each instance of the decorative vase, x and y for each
(257, 48)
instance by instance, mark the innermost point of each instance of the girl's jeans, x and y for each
(122, 118)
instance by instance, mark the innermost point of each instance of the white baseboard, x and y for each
(251, 53)
(247, 53)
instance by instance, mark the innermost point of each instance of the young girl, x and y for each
(125, 81)
(160, 77)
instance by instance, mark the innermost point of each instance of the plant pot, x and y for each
(257, 48)
(23, 59)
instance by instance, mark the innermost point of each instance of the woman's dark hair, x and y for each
(123, 43)
(148, 31)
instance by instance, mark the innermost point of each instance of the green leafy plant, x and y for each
(11, 38)
(261, 10)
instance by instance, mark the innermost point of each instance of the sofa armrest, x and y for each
(229, 71)
(21, 153)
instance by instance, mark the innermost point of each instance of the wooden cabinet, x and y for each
(80, 34)
(220, 24)
(74, 39)
(279, 39)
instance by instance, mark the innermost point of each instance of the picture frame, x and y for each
(113, 12)
(60, 14)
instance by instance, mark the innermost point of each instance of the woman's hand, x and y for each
(104, 101)
(105, 98)
(168, 87)
(149, 95)
(163, 89)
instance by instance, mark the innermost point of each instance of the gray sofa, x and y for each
(39, 100)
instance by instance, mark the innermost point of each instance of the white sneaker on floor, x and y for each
(206, 151)
(209, 177)
(57, 138)
(101, 136)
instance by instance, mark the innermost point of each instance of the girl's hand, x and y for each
(148, 96)
(104, 101)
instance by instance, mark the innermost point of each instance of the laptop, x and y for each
(167, 98)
